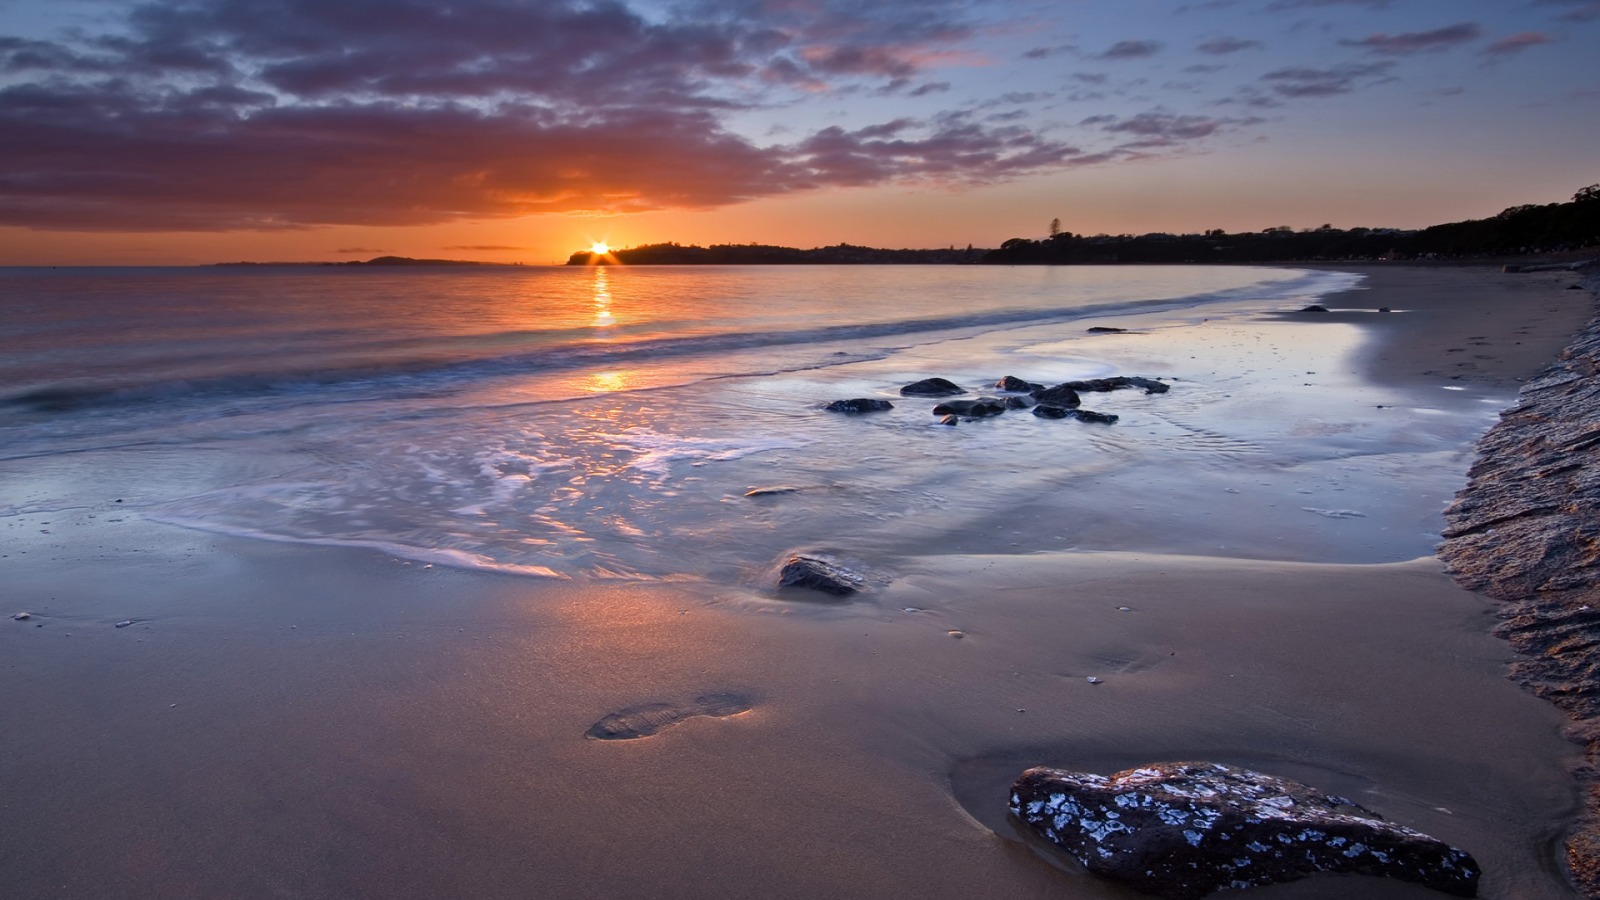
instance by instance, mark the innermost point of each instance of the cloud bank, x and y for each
(271, 114)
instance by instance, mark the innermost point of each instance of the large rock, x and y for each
(817, 574)
(1060, 395)
(1182, 830)
(932, 387)
(859, 405)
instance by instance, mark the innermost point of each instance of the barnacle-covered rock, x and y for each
(1182, 830)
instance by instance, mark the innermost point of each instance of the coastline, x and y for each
(328, 722)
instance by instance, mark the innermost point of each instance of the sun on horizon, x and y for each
(599, 248)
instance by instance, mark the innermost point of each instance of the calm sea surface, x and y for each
(608, 422)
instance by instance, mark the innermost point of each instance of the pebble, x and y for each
(1094, 680)
(124, 623)
(22, 616)
(958, 634)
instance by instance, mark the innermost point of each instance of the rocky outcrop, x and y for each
(814, 573)
(972, 409)
(1525, 531)
(859, 405)
(932, 387)
(1182, 830)
(1016, 385)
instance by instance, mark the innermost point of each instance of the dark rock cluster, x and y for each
(1182, 830)
(1059, 401)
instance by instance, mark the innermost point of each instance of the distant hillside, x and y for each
(377, 261)
(762, 254)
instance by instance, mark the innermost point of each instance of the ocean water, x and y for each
(609, 422)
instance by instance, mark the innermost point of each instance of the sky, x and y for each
(157, 132)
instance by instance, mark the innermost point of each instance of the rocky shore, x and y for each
(1525, 531)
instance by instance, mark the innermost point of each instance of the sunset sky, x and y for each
(193, 131)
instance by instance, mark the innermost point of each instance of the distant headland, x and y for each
(1529, 230)
(378, 261)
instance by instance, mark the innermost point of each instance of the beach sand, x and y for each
(286, 721)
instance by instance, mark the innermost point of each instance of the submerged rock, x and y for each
(1315, 308)
(1089, 415)
(772, 491)
(932, 387)
(859, 405)
(1082, 415)
(972, 409)
(819, 575)
(1107, 329)
(1182, 830)
(1116, 382)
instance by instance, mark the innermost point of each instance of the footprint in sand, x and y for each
(643, 721)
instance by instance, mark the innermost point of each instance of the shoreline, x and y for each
(1522, 531)
(325, 722)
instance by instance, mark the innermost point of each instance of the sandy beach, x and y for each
(316, 722)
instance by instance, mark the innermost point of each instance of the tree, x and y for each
(1055, 227)
(1587, 195)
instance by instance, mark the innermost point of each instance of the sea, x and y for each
(669, 422)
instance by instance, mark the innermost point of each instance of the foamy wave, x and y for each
(458, 559)
(656, 452)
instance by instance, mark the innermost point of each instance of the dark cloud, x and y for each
(263, 114)
(1132, 50)
(1419, 41)
(1204, 68)
(1286, 5)
(1090, 77)
(1309, 82)
(1578, 11)
(1516, 43)
(1224, 45)
(1046, 52)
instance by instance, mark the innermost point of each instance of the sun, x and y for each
(599, 248)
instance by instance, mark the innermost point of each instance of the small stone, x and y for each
(958, 635)
(1314, 308)
(1094, 680)
(950, 420)
(771, 491)
(1106, 329)
(22, 616)
(124, 623)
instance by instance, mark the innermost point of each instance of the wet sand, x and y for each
(318, 722)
